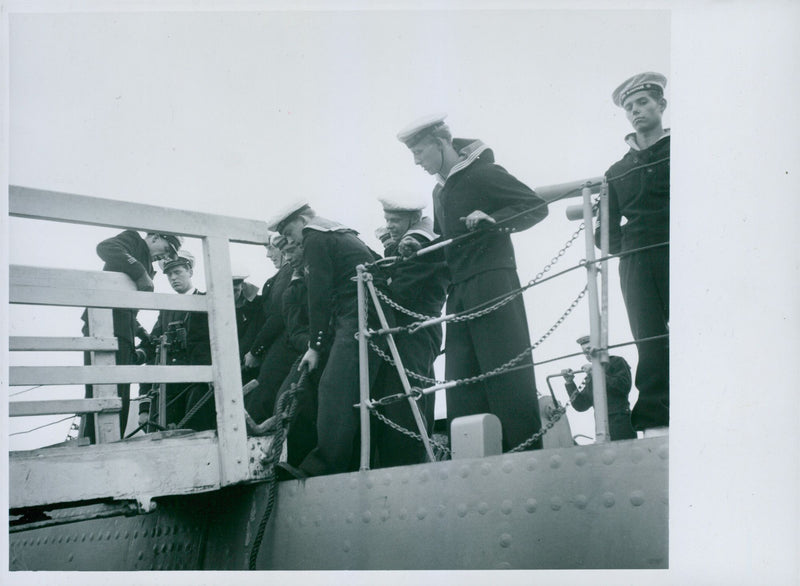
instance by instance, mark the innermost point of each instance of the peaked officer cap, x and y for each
(583, 340)
(648, 80)
(183, 258)
(419, 129)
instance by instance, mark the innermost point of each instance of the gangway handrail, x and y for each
(216, 232)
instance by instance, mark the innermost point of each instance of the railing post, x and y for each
(231, 429)
(106, 425)
(363, 365)
(604, 245)
(401, 371)
(598, 371)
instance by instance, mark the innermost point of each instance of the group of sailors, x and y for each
(304, 321)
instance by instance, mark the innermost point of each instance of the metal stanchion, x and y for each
(598, 372)
(363, 365)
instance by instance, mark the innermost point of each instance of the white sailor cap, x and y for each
(183, 258)
(239, 272)
(649, 80)
(400, 204)
(419, 129)
(277, 223)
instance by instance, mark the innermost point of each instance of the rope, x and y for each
(41, 426)
(197, 406)
(287, 415)
(25, 391)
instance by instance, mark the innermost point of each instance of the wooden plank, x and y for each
(59, 406)
(106, 425)
(52, 286)
(42, 204)
(83, 375)
(134, 469)
(227, 373)
(61, 344)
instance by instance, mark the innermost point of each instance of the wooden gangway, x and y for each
(158, 464)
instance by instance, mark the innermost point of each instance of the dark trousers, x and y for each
(391, 447)
(480, 345)
(644, 280)
(274, 369)
(619, 426)
(338, 422)
(302, 435)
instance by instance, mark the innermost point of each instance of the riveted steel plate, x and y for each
(584, 507)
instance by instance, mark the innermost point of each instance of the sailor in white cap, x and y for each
(472, 194)
(420, 285)
(331, 253)
(638, 190)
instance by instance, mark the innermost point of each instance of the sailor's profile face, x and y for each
(427, 155)
(180, 278)
(397, 223)
(294, 255)
(275, 255)
(293, 230)
(643, 111)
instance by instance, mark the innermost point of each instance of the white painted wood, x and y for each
(106, 425)
(86, 375)
(61, 406)
(227, 373)
(146, 467)
(26, 202)
(52, 286)
(60, 344)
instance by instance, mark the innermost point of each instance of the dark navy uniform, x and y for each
(618, 386)
(421, 286)
(271, 346)
(127, 253)
(332, 253)
(483, 267)
(641, 195)
(195, 350)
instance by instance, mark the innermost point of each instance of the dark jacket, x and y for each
(295, 313)
(618, 386)
(273, 324)
(331, 253)
(197, 346)
(477, 183)
(639, 195)
(128, 253)
(249, 317)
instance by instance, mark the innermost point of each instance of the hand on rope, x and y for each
(475, 218)
(310, 360)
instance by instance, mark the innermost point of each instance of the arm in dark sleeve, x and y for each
(618, 376)
(583, 400)
(119, 254)
(320, 283)
(511, 199)
(273, 321)
(295, 313)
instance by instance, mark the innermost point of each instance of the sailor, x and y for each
(331, 252)
(638, 190)
(270, 351)
(249, 315)
(187, 343)
(419, 286)
(128, 253)
(618, 386)
(472, 195)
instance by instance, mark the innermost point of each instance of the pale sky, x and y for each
(288, 105)
(238, 113)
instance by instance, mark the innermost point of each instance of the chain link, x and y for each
(496, 371)
(394, 305)
(399, 428)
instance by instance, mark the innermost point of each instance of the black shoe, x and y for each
(285, 471)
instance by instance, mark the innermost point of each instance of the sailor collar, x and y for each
(466, 160)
